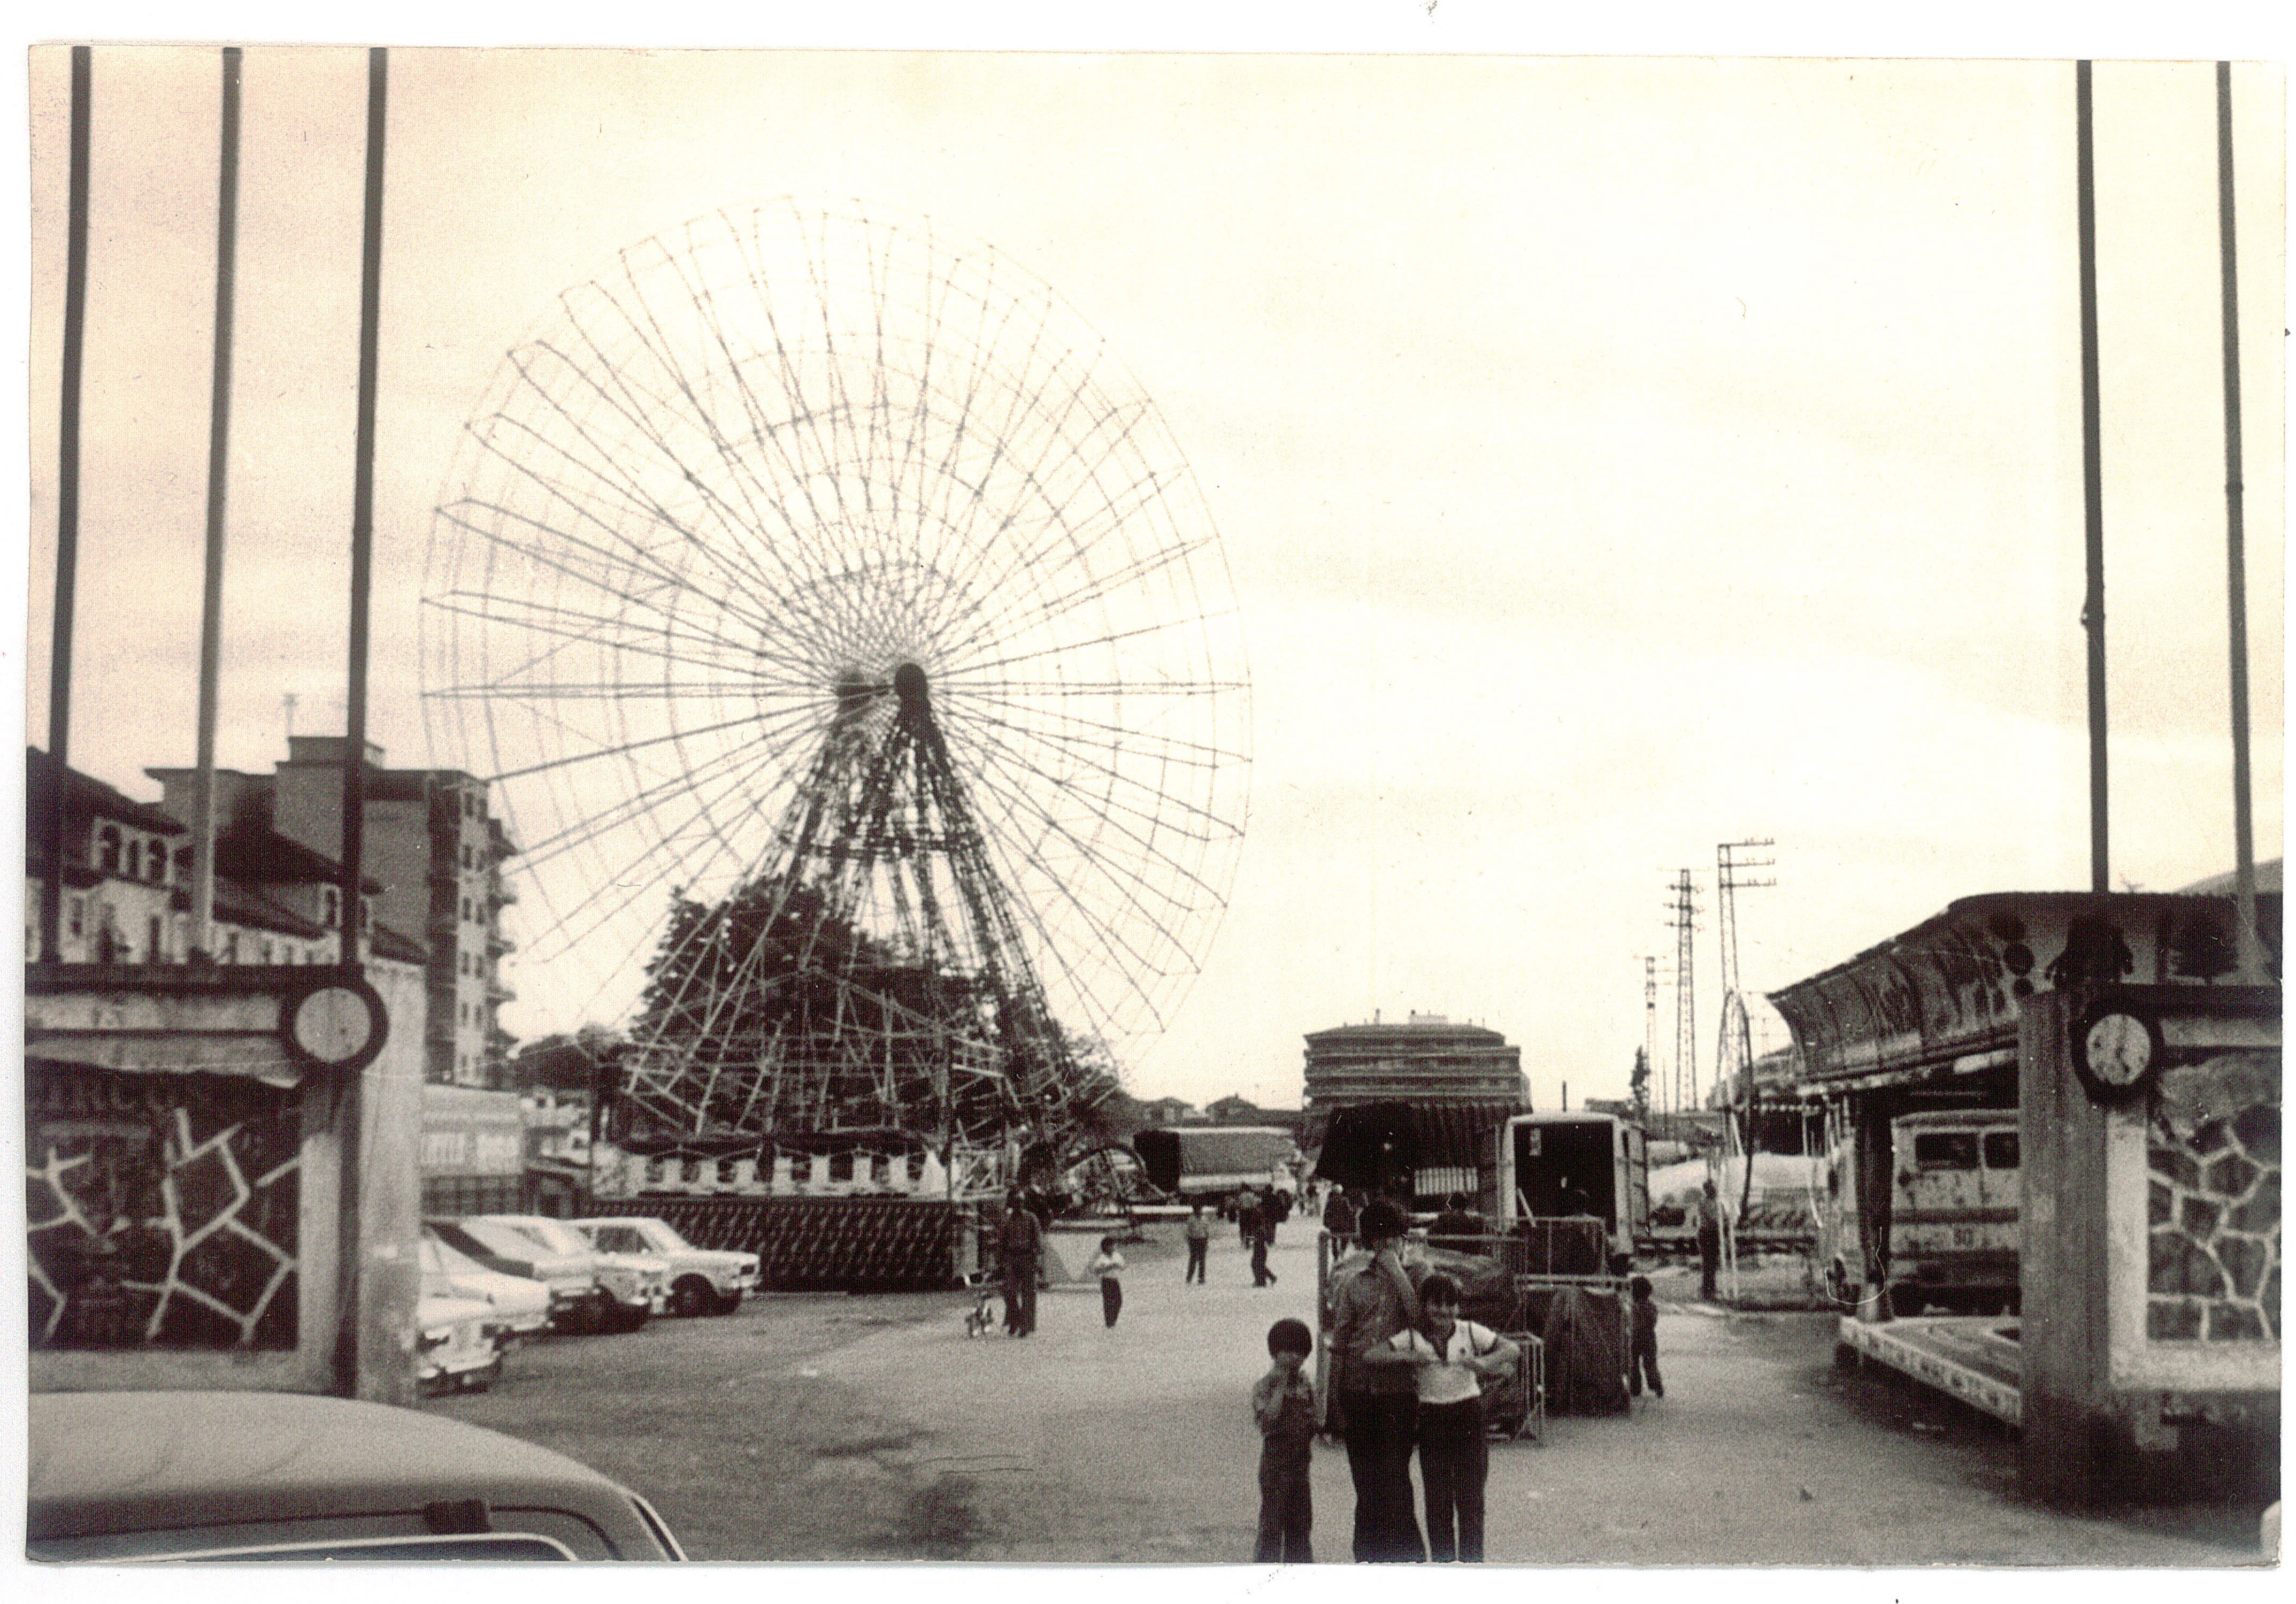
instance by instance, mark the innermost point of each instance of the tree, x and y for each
(1638, 1083)
(563, 1062)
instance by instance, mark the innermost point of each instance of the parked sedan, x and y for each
(578, 1302)
(458, 1343)
(119, 1476)
(521, 1307)
(637, 1282)
(702, 1281)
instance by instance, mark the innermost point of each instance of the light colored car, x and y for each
(578, 1302)
(457, 1342)
(702, 1281)
(637, 1282)
(120, 1477)
(521, 1307)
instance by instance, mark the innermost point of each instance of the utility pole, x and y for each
(1683, 918)
(60, 647)
(2092, 479)
(1650, 1023)
(203, 803)
(1733, 873)
(2244, 832)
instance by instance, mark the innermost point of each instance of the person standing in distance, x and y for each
(1199, 1232)
(1709, 1240)
(1107, 1264)
(1380, 1403)
(1019, 1242)
(1247, 1215)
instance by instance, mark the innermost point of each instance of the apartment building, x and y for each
(434, 851)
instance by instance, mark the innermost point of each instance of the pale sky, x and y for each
(1612, 457)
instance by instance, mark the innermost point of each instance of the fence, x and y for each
(834, 1244)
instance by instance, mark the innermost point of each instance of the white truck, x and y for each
(1950, 1236)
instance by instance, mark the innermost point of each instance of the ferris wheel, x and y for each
(854, 658)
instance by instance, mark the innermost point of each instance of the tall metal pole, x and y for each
(2243, 833)
(350, 1242)
(1686, 998)
(2093, 485)
(363, 518)
(203, 805)
(60, 648)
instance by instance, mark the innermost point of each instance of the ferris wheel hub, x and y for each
(910, 686)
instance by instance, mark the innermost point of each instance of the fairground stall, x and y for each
(2063, 1102)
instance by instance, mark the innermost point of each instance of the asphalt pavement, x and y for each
(1082, 1444)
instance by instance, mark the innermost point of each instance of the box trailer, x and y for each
(1212, 1163)
(1557, 1166)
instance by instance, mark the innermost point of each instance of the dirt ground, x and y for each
(832, 1428)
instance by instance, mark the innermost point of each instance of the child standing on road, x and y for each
(1451, 1358)
(1106, 1264)
(1643, 1358)
(1200, 1241)
(1284, 1403)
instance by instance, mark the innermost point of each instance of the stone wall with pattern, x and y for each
(161, 1210)
(2213, 1153)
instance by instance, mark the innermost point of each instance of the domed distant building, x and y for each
(1425, 1060)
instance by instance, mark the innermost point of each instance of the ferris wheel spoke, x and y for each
(625, 401)
(1001, 432)
(595, 900)
(633, 806)
(1051, 609)
(640, 561)
(595, 754)
(620, 488)
(1126, 887)
(1029, 719)
(1214, 826)
(1111, 815)
(560, 624)
(456, 514)
(664, 350)
(977, 374)
(1031, 722)
(1097, 690)
(1109, 933)
(914, 468)
(1065, 649)
(784, 436)
(802, 412)
(706, 305)
(989, 549)
(1035, 550)
(620, 690)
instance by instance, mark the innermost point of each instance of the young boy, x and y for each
(1643, 1358)
(1106, 1264)
(1450, 1359)
(1199, 1233)
(1284, 1403)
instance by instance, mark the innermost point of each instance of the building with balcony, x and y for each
(128, 879)
(435, 851)
(1424, 1060)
